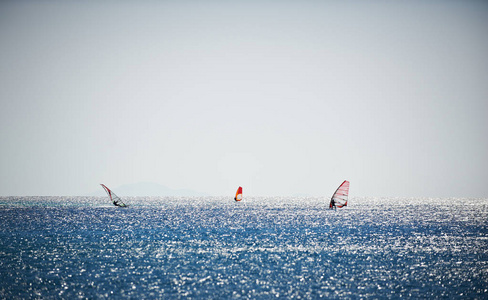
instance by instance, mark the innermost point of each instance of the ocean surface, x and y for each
(260, 248)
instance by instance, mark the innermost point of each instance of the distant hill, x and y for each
(148, 189)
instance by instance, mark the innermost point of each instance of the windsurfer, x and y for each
(332, 204)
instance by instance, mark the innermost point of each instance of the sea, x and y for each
(259, 248)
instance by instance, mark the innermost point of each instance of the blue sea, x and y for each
(259, 248)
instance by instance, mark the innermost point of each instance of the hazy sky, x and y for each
(282, 98)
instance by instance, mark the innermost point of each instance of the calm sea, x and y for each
(260, 248)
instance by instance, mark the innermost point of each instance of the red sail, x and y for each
(238, 196)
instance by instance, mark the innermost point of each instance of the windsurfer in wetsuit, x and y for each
(332, 204)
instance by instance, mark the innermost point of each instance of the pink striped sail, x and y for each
(339, 199)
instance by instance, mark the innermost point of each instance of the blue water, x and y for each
(81, 247)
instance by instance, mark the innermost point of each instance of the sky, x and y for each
(284, 98)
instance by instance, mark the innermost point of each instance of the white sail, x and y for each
(114, 198)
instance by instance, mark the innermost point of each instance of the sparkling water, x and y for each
(211, 247)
